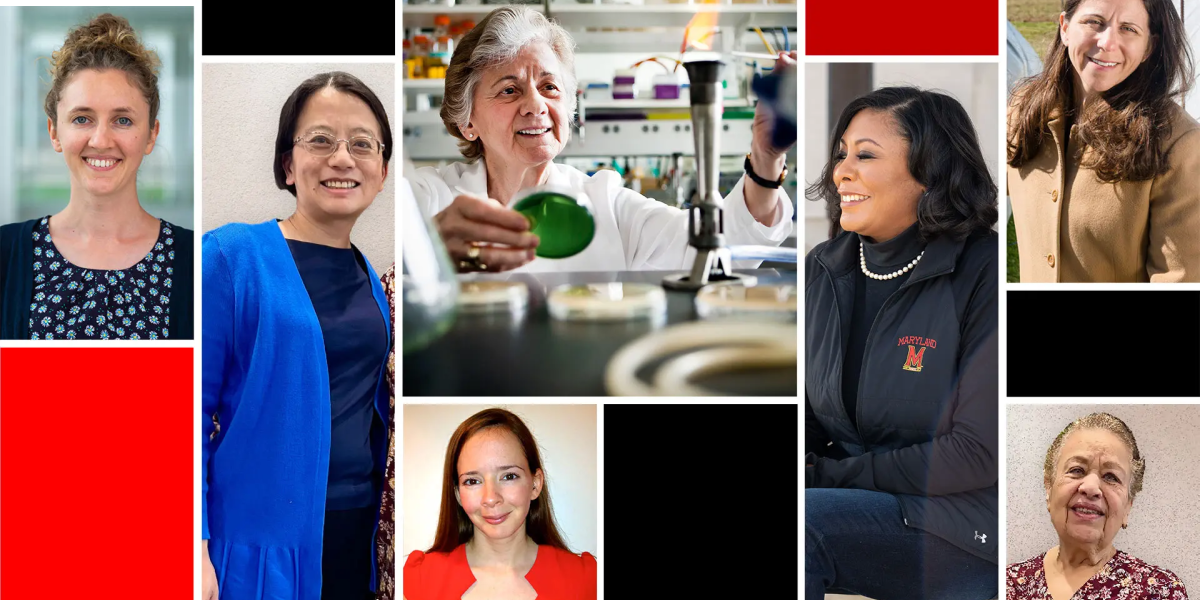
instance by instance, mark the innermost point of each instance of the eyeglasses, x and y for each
(361, 147)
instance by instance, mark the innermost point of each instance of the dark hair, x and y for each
(454, 527)
(1128, 129)
(943, 156)
(342, 82)
(106, 42)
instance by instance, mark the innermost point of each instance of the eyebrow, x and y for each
(352, 131)
(120, 109)
(501, 468)
(861, 140)
(1108, 464)
(516, 78)
(1103, 18)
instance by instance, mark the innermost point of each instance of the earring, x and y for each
(470, 136)
(1125, 526)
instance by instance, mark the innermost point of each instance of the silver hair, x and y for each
(503, 34)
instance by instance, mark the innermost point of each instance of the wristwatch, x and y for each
(759, 180)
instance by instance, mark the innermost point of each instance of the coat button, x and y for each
(1054, 196)
(1050, 260)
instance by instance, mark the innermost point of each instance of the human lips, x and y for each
(533, 131)
(1087, 511)
(852, 198)
(101, 163)
(1102, 64)
(339, 184)
(497, 519)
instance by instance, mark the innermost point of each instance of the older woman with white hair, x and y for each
(510, 98)
(1092, 473)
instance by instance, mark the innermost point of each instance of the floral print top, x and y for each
(1123, 577)
(385, 539)
(73, 303)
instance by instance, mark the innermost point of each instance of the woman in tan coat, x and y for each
(1104, 165)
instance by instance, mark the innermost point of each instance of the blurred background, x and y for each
(34, 181)
(830, 88)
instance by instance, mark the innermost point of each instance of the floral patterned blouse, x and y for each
(385, 539)
(71, 302)
(1123, 577)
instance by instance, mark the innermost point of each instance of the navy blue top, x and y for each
(355, 336)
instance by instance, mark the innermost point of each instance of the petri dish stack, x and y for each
(607, 302)
(761, 302)
(492, 297)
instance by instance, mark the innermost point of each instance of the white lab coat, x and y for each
(633, 232)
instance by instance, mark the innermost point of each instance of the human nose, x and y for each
(101, 136)
(534, 104)
(491, 494)
(1106, 40)
(341, 155)
(1090, 485)
(843, 171)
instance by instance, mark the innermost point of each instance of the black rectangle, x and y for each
(237, 28)
(701, 498)
(1104, 343)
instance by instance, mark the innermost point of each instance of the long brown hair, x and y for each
(1128, 128)
(454, 527)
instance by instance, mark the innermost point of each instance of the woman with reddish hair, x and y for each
(496, 534)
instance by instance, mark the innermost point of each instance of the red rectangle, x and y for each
(96, 473)
(890, 28)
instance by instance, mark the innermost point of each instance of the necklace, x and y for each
(862, 263)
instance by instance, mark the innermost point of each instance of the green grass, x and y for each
(1039, 35)
(1031, 11)
(1014, 258)
(1037, 20)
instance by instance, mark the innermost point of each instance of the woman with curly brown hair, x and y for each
(103, 267)
(1104, 165)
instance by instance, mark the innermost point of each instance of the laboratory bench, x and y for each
(533, 354)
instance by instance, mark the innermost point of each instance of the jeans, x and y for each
(856, 542)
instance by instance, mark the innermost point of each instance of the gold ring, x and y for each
(473, 252)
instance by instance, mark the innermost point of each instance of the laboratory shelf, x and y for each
(671, 15)
(650, 103)
(580, 16)
(436, 85)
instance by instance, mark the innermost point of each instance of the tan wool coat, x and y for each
(1072, 227)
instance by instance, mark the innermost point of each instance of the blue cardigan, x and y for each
(265, 376)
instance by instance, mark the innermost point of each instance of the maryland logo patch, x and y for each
(916, 351)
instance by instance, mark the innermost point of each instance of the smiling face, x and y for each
(103, 130)
(1106, 40)
(878, 194)
(1088, 497)
(337, 185)
(495, 487)
(521, 109)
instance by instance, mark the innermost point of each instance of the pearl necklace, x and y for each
(862, 262)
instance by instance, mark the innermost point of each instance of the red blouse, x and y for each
(556, 575)
(1123, 577)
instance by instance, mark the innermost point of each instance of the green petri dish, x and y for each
(562, 221)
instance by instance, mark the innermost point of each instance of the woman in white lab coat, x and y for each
(510, 97)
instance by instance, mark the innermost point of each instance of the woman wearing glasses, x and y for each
(296, 337)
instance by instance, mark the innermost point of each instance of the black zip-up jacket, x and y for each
(928, 396)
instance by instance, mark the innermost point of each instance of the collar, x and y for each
(896, 252)
(459, 579)
(473, 178)
(840, 256)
